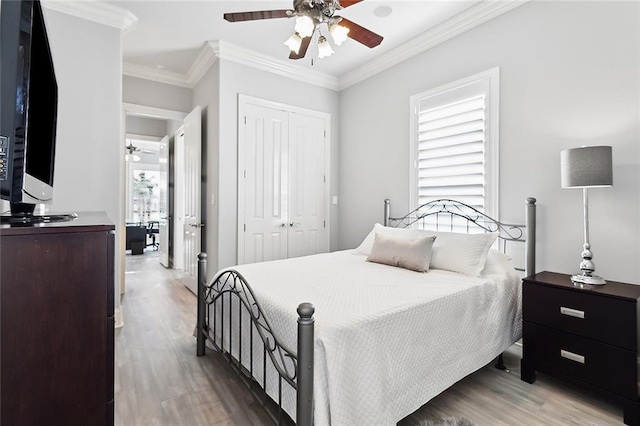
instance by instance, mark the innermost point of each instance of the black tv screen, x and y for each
(28, 105)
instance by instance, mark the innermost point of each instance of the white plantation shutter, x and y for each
(454, 143)
(451, 152)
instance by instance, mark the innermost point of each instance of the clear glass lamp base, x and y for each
(588, 279)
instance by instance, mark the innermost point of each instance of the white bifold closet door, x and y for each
(283, 196)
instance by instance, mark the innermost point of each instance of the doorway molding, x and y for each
(133, 110)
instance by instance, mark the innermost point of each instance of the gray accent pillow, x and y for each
(412, 253)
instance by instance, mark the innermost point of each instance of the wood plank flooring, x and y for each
(160, 381)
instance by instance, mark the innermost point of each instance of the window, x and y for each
(454, 143)
(146, 195)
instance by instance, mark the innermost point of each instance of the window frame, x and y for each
(488, 81)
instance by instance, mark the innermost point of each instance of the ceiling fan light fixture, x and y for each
(135, 157)
(324, 48)
(304, 26)
(312, 18)
(294, 42)
(338, 33)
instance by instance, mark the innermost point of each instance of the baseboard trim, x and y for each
(119, 318)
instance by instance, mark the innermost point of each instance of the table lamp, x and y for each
(586, 167)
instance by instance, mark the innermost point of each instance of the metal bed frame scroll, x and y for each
(229, 288)
(429, 215)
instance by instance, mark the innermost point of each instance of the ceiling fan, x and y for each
(132, 151)
(310, 15)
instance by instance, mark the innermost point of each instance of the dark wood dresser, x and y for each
(56, 323)
(585, 334)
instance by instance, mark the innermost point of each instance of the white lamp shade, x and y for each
(585, 167)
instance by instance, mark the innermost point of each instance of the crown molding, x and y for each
(470, 18)
(198, 68)
(205, 59)
(99, 12)
(241, 55)
(478, 14)
(209, 54)
(161, 76)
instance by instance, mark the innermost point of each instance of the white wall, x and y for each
(146, 126)
(159, 95)
(88, 71)
(569, 77)
(206, 94)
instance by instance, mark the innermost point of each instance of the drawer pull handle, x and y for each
(572, 312)
(572, 356)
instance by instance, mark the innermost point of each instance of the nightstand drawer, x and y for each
(596, 363)
(580, 312)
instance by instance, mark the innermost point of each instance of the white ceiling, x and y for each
(169, 35)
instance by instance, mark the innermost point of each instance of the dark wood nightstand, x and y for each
(587, 335)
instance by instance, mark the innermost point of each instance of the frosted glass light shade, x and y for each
(338, 33)
(294, 42)
(304, 26)
(324, 48)
(586, 167)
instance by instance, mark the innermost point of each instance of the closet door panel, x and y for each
(282, 192)
(265, 184)
(307, 225)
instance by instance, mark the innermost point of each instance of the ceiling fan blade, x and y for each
(303, 49)
(347, 3)
(361, 34)
(253, 16)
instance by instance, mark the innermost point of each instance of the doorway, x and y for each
(143, 201)
(175, 120)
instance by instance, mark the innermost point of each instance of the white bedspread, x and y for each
(387, 340)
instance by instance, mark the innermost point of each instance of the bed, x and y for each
(380, 339)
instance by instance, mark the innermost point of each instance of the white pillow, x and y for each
(497, 263)
(367, 244)
(463, 253)
(408, 253)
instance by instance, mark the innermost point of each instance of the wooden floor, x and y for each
(160, 381)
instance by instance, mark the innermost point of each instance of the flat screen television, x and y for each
(28, 108)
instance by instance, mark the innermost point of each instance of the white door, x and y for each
(192, 197)
(282, 195)
(264, 179)
(177, 218)
(163, 235)
(307, 223)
